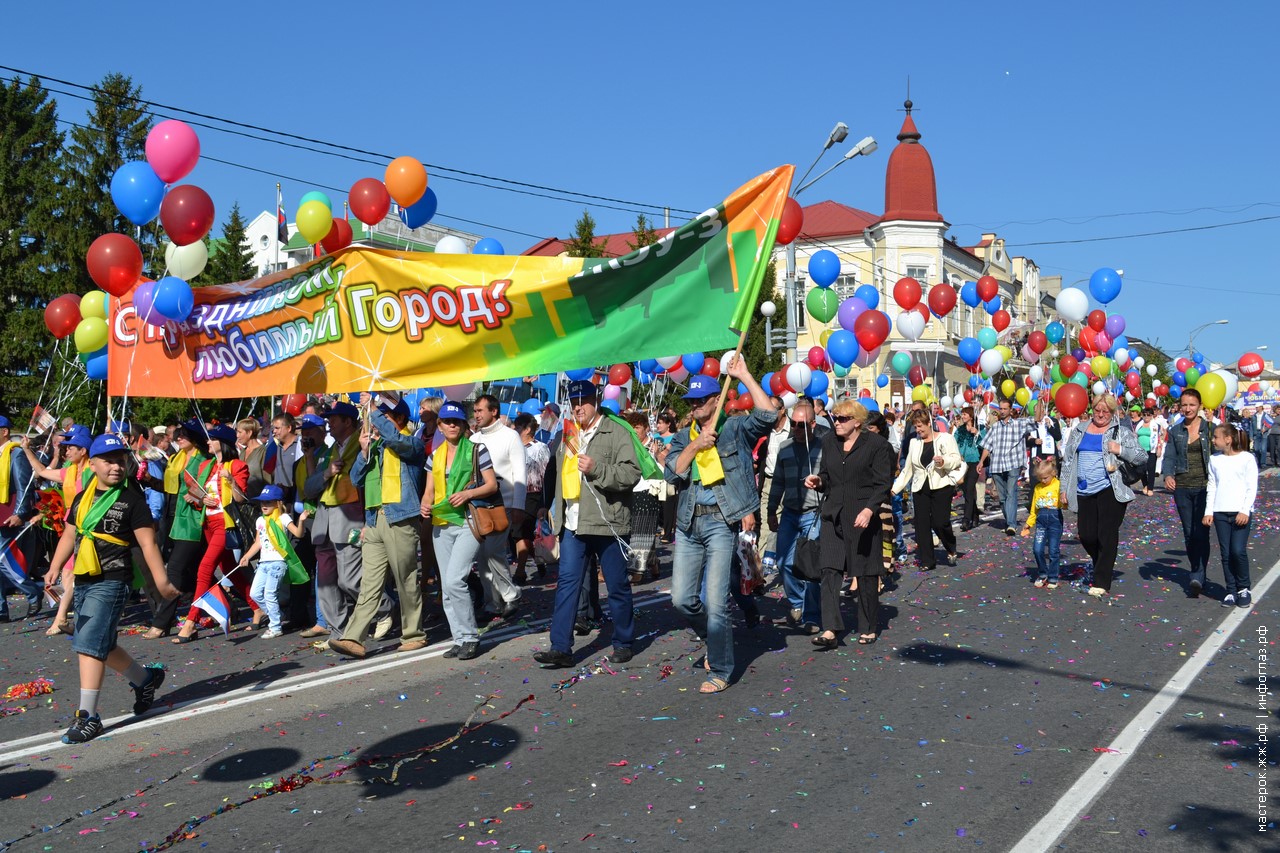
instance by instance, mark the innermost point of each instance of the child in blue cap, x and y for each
(277, 552)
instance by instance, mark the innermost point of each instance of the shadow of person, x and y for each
(252, 764)
(14, 783)
(225, 683)
(424, 758)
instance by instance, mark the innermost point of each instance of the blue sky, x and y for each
(1081, 121)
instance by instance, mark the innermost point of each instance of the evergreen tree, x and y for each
(760, 361)
(583, 243)
(29, 146)
(644, 233)
(231, 258)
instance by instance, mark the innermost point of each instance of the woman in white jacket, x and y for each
(932, 470)
(1233, 487)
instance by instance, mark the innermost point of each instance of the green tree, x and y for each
(759, 360)
(644, 233)
(29, 146)
(231, 258)
(583, 242)
(1152, 354)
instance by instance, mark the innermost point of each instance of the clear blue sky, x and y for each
(1088, 120)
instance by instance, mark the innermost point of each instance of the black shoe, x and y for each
(553, 659)
(582, 627)
(511, 608)
(1244, 598)
(83, 728)
(468, 650)
(952, 558)
(621, 655)
(145, 695)
(33, 609)
(1193, 589)
(1009, 531)
(451, 652)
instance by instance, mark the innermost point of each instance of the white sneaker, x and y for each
(270, 634)
(383, 627)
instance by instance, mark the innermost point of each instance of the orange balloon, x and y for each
(406, 180)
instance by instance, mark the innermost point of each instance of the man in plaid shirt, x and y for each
(1005, 447)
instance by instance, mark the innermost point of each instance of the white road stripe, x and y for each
(1091, 785)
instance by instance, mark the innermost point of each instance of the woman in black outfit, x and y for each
(854, 477)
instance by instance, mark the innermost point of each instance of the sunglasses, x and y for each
(842, 419)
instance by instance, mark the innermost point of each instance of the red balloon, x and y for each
(988, 287)
(968, 395)
(1071, 400)
(1028, 382)
(293, 403)
(778, 383)
(906, 293)
(1000, 320)
(1038, 342)
(62, 315)
(1067, 366)
(1089, 340)
(338, 238)
(871, 328)
(369, 200)
(1097, 319)
(916, 375)
(1132, 381)
(1184, 364)
(923, 311)
(1250, 365)
(942, 298)
(988, 396)
(186, 214)
(620, 374)
(115, 263)
(711, 367)
(790, 223)
(817, 358)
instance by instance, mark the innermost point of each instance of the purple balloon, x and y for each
(1078, 352)
(849, 311)
(1115, 326)
(143, 294)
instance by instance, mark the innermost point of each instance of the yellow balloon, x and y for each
(1024, 397)
(1006, 352)
(825, 336)
(94, 304)
(91, 335)
(1212, 390)
(1007, 387)
(920, 394)
(1101, 366)
(314, 221)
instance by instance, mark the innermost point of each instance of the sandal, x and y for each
(714, 684)
(59, 628)
(182, 639)
(154, 633)
(867, 641)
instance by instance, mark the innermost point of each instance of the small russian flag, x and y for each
(282, 225)
(214, 602)
(270, 457)
(13, 563)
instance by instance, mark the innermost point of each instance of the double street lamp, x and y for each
(866, 146)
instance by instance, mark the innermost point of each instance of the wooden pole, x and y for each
(724, 392)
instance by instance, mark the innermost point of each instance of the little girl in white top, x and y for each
(1233, 486)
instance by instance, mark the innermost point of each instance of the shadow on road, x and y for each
(15, 783)
(252, 764)
(403, 761)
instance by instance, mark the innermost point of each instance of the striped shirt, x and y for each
(789, 470)
(1005, 444)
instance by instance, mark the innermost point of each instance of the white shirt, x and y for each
(1233, 483)
(775, 441)
(267, 552)
(571, 506)
(507, 452)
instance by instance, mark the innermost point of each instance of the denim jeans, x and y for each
(899, 542)
(706, 548)
(1191, 511)
(266, 589)
(1232, 542)
(574, 550)
(1047, 547)
(1007, 489)
(456, 549)
(802, 595)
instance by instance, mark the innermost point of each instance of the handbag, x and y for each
(1131, 474)
(807, 564)
(484, 519)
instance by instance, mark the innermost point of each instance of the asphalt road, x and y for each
(985, 717)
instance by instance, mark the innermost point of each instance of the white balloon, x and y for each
(1152, 370)
(186, 262)
(667, 360)
(789, 399)
(798, 376)
(1036, 373)
(1073, 305)
(1264, 385)
(945, 402)
(1233, 384)
(1139, 362)
(1053, 352)
(910, 325)
(1122, 357)
(458, 393)
(680, 374)
(451, 245)
(991, 361)
(724, 361)
(1099, 387)
(866, 358)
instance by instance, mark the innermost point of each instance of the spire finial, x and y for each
(907, 102)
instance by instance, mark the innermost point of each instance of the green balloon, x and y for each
(822, 304)
(316, 195)
(1056, 374)
(1193, 376)
(1080, 379)
(901, 362)
(839, 371)
(987, 337)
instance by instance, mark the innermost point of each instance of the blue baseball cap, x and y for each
(78, 436)
(195, 429)
(270, 493)
(345, 409)
(310, 420)
(452, 411)
(582, 389)
(701, 387)
(552, 408)
(108, 443)
(4, 422)
(121, 426)
(223, 433)
(400, 407)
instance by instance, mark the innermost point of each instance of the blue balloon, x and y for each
(649, 365)
(970, 350)
(172, 299)
(992, 305)
(818, 385)
(1198, 357)
(764, 383)
(969, 294)
(826, 401)
(1078, 353)
(611, 405)
(870, 404)
(824, 267)
(1120, 343)
(97, 367)
(975, 382)
(1180, 378)
(882, 381)
(1104, 284)
(511, 410)
(580, 374)
(488, 246)
(643, 378)
(1055, 332)
(1133, 353)
(532, 406)
(420, 212)
(137, 192)
(868, 294)
(693, 361)
(842, 348)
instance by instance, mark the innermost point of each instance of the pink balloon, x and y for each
(173, 149)
(611, 392)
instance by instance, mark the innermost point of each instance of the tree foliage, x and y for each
(583, 242)
(645, 234)
(231, 258)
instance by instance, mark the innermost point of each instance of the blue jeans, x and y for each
(1191, 511)
(573, 565)
(1048, 538)
(706, 548)
(456, 549)
(1007, 489)
(266, 589)
(802, 595)
(899, 543)
(1232, 542)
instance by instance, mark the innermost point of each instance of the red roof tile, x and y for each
(615, 245)
(833, 219)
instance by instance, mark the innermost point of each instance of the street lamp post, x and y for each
(1197, 330)
(866, 146)
(773, 338)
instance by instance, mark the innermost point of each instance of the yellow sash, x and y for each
(173, 472)
(87, 561)
(391, 473)
(224, 494)
(706, 464)
(340, 489)
(280, 543)
(70, 482)
(6, 451)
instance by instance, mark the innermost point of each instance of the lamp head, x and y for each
(838, 134)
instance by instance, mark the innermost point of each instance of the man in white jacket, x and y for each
(507, 452)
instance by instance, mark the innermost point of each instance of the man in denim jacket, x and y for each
(711, 508)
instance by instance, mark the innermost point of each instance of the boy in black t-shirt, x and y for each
(104, 523)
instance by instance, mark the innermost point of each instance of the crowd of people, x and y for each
(351, 519)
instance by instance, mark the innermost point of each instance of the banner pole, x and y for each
(724, 392)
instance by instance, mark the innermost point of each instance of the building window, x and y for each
(845, 286)
(920, 274)
(263, 240)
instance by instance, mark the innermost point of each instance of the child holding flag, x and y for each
(278, 556)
